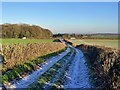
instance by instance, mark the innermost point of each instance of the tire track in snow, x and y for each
(57, 76)
(77, 75)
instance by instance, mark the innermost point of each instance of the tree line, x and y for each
(24, 30)
(68, 36)
(87, 36)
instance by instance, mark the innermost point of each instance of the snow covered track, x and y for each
(26, 81)
(77, 75)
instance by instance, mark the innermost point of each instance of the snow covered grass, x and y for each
(72, 74)
(59, 83)
(49, 78)
(56, 82)
(77, 75)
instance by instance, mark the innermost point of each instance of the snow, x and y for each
(26, 81)
(77, 75)
(57, 76)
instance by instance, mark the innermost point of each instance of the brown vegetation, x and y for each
(15, 54)
(104, 64)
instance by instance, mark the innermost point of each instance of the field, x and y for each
(100, 42)
(24, 41)
(101, 36)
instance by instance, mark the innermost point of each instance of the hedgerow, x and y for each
(18, 54)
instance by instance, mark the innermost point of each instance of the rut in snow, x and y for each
(77, 75)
